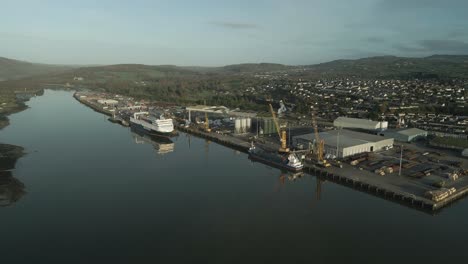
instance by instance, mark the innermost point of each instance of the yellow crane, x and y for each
(319, 143)
(281, 133)
(207, 123)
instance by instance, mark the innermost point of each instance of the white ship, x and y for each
(152, 125)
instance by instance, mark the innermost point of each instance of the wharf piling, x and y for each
(92, 106)
(227, 141)
(387, 192)
(382, 190)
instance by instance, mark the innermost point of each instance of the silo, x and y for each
(249, 124)
(237, 126)
(244, 125)
(268, 126)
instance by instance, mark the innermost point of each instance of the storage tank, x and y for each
(244, 125)
(268, 126)
(237, 126)
(249, 124)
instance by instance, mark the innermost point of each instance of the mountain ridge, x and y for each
(383, 66)
(11, 69)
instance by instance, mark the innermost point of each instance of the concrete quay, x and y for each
(397, 189)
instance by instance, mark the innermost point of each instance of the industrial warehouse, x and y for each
(343, 143)
(358, 123)
(405, 134)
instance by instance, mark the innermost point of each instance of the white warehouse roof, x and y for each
(343, 143)
(411, 131)
(344, 138)
(359, 123)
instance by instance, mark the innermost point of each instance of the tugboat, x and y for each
(288, 161)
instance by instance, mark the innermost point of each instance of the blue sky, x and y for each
(213, 33)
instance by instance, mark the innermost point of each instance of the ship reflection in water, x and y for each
(162, 145)
(11, 189)
(292, 177)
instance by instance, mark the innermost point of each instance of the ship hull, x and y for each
(272, 161)
(140, 128)
(149, 138)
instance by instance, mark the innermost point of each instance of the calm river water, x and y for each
(97, 193)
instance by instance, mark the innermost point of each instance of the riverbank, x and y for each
(10, 108)
(9, 154)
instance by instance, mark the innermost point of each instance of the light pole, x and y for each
(401, 159)
(257, 127)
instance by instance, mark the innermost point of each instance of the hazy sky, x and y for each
(220, 32)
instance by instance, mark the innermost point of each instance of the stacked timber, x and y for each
(441, 194)
(383, 170)
(452, 176)
(356, 161)
(380, 172)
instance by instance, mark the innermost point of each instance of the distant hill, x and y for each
(444, 66)
(254, 67)
(141, 72)
(130, 72)
(436, 66)
(15, 69)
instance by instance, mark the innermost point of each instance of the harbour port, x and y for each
(406, 173)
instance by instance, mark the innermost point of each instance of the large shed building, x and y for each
(405, 134)
(348, 122)
(108, 101)
(344, 143)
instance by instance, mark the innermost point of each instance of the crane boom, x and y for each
(314, 124)
(319, 143)
(281, 134)
(275, 120)
(207, 123)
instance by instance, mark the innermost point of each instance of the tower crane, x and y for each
(281, 133)
(207, 123)
(319, 143)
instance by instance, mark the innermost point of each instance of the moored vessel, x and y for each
(284, 161)
(152, 125)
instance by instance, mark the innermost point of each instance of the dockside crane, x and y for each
(281, 133)
(207, 123)
(319, 143)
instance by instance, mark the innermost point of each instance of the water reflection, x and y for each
(162, 145)
(11, 189)
(318, 188)
(293, 177)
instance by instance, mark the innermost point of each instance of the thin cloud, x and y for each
(375, 40)
(451, 46)
(234, 25)
(408, 48)
(420, 4)
(457, 33)
(435, 46)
